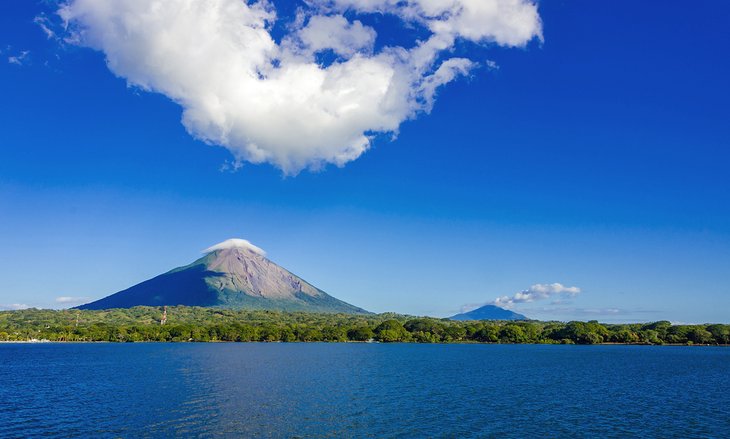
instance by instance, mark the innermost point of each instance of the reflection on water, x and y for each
(363, 390)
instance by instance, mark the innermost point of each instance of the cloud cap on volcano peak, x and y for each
(235, 243)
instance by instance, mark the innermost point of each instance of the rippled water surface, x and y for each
(363, 390)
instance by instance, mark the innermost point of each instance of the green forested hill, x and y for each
(213, 324)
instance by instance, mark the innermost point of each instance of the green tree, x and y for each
(454, 333)
(489, 334)
(699, 335)
(512, 333)
(391, 331)
(661, 328)
(270, 333)
(432, 326)
(678, 334)
(360, 333)
(721, 333)
(650, 336)
(246, 333)
(425, 337)
(334, 333)
(625, 336)
(582, 332)
(309, 334)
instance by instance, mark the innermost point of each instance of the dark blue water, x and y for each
(363, 390)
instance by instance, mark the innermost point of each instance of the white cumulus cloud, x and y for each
(537, 292)
(337, 34)
(274, 100)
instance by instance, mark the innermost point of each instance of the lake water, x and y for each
(363, 390)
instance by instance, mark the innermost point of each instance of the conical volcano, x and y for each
(232, 274)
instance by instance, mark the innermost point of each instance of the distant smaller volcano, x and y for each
(489, 312)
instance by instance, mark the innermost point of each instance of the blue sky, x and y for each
(597, 159)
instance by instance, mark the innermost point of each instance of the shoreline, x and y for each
(349, 342)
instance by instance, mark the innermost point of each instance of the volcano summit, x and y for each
(232, 274)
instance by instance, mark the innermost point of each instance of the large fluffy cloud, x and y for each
(276, 100)
(537, 292)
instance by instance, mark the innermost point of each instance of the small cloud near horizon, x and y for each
(537, 292)
(559, 292)
(13, 306)
(71, 300)
(605, 314)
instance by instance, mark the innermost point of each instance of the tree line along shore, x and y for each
(184, 324)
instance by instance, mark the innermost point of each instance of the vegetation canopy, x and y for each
(184, 323)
